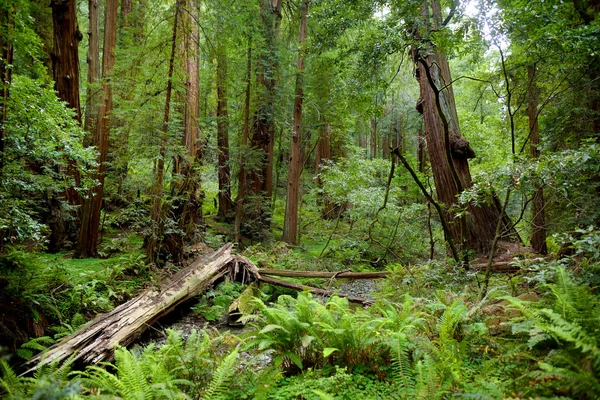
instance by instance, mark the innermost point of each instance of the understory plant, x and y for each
(569, 325)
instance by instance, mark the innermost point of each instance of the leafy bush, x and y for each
(42, 139)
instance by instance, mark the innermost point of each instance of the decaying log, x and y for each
(319, 274)
(96, 341)
(320, 292)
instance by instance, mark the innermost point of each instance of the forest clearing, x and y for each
(299, 199)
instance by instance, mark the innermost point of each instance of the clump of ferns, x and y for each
(288, 328)
(305, 333)
(570, 327)
(179, 369)
(49, 381)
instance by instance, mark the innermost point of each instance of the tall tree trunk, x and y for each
(156, 215)
(538, 218)
(119, 145)
(290, 225)
(448, 151)
(90, 221)
(373, 140)
(126, 7)
(91, 108)
(191, 210)
(239, 201)
(6, 52)
(260, 179)
(65, 56)
(223, 170)
(65, 70)
(325, 154)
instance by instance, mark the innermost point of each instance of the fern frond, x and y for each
(221, 377)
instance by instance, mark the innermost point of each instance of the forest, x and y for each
(299, 199)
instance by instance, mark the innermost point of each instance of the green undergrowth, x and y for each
(56, 293)
(429, 335)
(436, 346)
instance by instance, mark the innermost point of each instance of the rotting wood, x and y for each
(96, 341)
(502, 266)
(320, 292)
(320, 274)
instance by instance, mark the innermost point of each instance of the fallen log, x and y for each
(96, 341)
(320, 292)
(319, 274)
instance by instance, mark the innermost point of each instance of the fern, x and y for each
(401, 364)
(10, 383)
(218, 385)
(573, 322)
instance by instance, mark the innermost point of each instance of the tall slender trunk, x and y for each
(190, 211)
(260, 179)
(290, 226)
(155, 237)
(6, 52)
(90, 221)
(373, 140)
(239, 201)
(538, 218)
(223, 170)
(93, 75)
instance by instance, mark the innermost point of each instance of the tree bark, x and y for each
(448, 151)
(6, 52)
(90, 221)
(65, 55)
(239, 201)
(538, 218)
(153, 241)
(223, 170)
(95, 342)
(93, 75)
(260, 179)
(65, 69)
(290, 225)
(373, 140)
(188, 206)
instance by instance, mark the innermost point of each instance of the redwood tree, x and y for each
(93, 75)
(259, 180)
(153, 242)
(90, 220)
(223, 170)
(65, 54)
(6, 52)
(290, 226)
(65, 70)
(538, 218)
(448, 151)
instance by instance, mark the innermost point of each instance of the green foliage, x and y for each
(50, 382)
(572, 323)
(341, 384)
(42, 138)
(217, 301)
